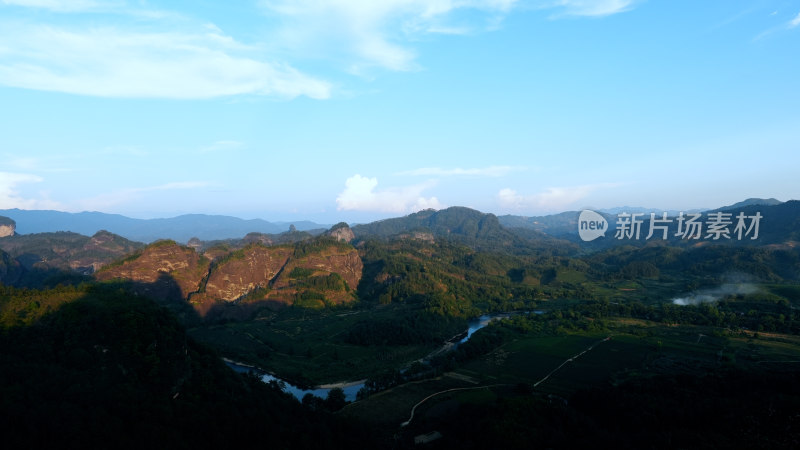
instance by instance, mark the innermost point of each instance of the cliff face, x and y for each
(341, 232)
(164, 270)
(419, 235)
(328, 272)
(7, 230)
(246, 270)
(333, 272)
(7, 226)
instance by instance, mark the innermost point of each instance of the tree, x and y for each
(335, 400)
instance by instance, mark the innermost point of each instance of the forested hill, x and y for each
(458, 224)
(455, 221)
(47, 259)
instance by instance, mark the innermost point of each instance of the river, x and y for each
(352, 388)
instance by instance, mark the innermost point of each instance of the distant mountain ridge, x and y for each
(780, 223)
(456, 220)
(639, 209)
(180, 228)
(750, 202)
(462, 224)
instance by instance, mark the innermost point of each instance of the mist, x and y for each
(713, 295)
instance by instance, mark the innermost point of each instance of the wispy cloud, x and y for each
(10, 196)
(795, 22)
(222, 146)
(200, 61)
(39, 164)
(62, 5)
(589, 7)
(552, 199)
(152, 57)
(375, 33)
(783, 26)
(491, 171)
(360, 194)
(108, 200)
(173, 185)
(119, 150)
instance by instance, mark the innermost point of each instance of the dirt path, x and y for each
(568, 360)
(444, 392)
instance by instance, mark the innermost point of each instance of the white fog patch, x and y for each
(714, 295)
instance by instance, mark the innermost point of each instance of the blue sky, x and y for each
(351, 110)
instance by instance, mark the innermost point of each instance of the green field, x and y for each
(305, 346)
(637, 349)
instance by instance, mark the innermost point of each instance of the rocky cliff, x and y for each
(341, 232)
(322, 272)
(164, 270)
(330, 274)
(246, 270)
(7, 227)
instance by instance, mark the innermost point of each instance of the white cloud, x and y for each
(40, 164)
(491, 171)
(360, 194)
(375, 33)
(60, 5)
(552, 199)
(21, 162)
(779, 28)
(119, 62)
(10, 196)
(795, 22)
(222, 146)
(591, 7)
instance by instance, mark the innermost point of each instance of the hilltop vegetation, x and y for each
(47, 259)
(462, 226)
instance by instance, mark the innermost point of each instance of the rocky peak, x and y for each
(341, 232)
(163, 270)
(419, 236)
(257, 238)
(320, 272)
(7, 226)
(195, 243)
(245, 270)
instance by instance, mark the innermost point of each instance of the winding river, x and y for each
(352, 388)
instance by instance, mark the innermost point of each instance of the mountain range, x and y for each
(180, 228)
(778, 223)
(460, 222)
